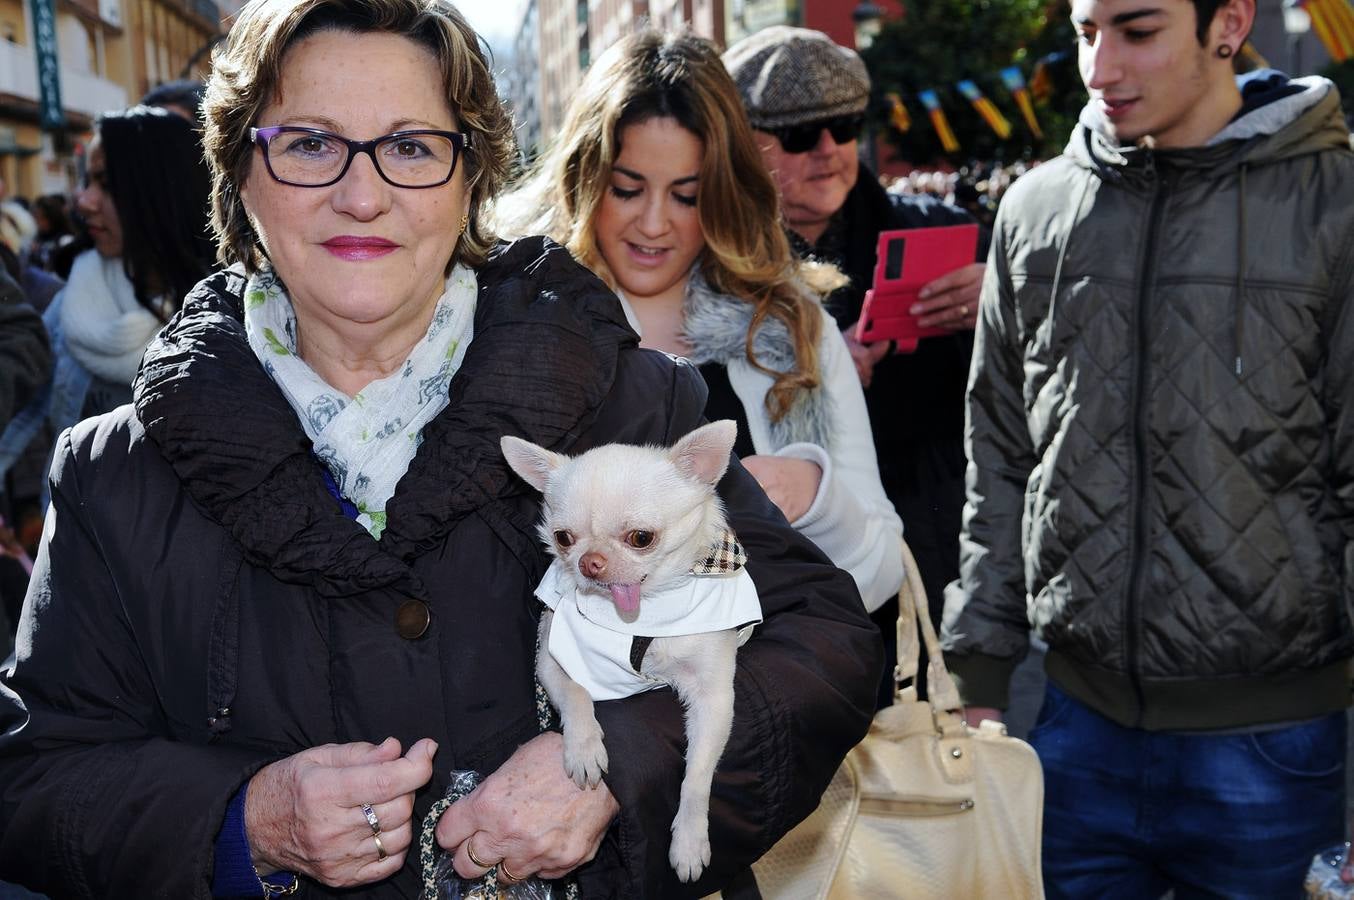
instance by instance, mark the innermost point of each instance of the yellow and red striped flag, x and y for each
(991, 115)
(1015, 83)
(898, 115)
(1333, 22)
(938, 121)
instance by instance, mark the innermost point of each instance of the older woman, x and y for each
(288, 590)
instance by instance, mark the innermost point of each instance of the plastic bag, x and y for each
(451, 886)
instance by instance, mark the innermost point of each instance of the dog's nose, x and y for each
(592, 564)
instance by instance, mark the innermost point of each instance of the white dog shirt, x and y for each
(602, 652)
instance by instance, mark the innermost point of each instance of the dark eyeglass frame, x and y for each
(803, 138)
(460, 143)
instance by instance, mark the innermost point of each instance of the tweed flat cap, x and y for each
(789, 76)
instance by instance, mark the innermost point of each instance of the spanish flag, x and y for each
(991, 115)
(1333, 22)
(1015, 83)
(898, 115)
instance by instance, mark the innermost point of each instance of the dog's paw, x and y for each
(690, 850)
(585, 755)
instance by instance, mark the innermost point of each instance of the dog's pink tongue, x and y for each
(626, 596)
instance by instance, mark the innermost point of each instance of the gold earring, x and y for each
(465, 223)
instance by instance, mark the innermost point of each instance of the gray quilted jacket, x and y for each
(1161, 427)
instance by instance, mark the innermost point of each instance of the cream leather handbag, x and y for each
(924, 807)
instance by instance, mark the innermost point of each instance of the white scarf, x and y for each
(366, 441)
(106, 329)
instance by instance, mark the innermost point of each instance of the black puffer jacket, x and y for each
(25, 357)
(196, 563)
(1161, 430)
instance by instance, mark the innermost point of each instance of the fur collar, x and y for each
(716, 326)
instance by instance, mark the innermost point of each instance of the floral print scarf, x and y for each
(368, 440)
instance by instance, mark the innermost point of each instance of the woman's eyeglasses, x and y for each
(309, 157)
(803, 138)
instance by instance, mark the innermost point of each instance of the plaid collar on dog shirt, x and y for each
(723, 557)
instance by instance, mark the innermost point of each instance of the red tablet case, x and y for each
(906, 260)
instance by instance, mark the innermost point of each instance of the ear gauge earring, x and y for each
(1225, 51)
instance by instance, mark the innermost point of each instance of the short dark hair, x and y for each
(160, 187)
(1204, 11)
(185, 94)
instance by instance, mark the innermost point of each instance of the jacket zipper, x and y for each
(1138, 549)
(889, 805)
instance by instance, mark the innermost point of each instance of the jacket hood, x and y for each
(1281, 117)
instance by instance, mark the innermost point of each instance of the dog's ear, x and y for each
(704, 453)
(534, 464)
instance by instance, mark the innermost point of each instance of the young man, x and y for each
(1161, 464)
(806, 97)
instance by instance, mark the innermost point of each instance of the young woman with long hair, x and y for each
(656, 184)
(145, 206)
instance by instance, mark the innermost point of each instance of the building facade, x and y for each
(109, 53)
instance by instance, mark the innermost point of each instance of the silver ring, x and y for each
(372, 821)
(380, 848)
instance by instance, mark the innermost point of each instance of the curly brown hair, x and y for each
(247, 73)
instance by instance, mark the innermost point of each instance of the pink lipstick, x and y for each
(355, 247)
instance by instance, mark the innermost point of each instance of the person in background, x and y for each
(656, 184)
(183, 98)
(1161, 475)
(144, 205)
(25, 355)
(806, 97)
(54, 231)
(18, 232)
(288, 591)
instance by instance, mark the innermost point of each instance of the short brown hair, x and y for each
(247, 72)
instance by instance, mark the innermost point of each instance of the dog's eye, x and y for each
(564, 538)
(639, 539)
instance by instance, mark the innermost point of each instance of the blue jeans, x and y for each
(1130, 814)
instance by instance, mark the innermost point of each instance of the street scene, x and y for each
(785, 449)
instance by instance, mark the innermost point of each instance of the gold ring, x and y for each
(380, 847)
(505, 874)
(470, 852)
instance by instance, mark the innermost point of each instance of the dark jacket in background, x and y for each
(916, 400)
(25, 357)
(1162, 427)
(197, 563)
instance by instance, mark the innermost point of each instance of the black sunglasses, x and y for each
(803, 138)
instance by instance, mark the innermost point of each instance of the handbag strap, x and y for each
(913, 610)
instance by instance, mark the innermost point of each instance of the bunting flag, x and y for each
(898, 115)
(1041, 80)
(1333, 22)
(991, 115)
(1015, 83)
(939, 122)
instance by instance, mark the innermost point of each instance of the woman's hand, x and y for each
(304, 813)
(790, 483)
(951, 301)
(529, 817)
(865, 356)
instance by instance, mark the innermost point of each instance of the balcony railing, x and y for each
(80, 92)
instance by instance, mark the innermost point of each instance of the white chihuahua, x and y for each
(647, 589)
